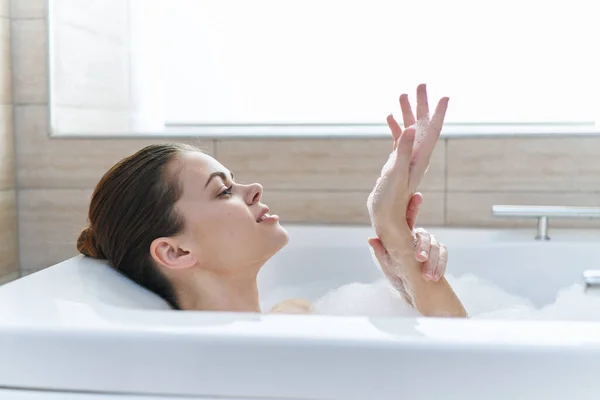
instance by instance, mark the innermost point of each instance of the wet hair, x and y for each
(132, 205)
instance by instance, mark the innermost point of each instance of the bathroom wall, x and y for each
(9, 268)
(306, 180)
(90, 65)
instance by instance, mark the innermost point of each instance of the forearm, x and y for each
(434, 298)
(430, 298)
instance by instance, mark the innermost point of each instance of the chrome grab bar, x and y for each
(543, 213)
(546, 211)
(591, 280)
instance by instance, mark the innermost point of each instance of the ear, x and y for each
(168, 253)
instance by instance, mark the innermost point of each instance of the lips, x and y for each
(263, 214)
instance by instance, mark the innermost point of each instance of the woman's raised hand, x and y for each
(427, 249)
(406, 166)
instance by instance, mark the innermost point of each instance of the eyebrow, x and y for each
(219, 174)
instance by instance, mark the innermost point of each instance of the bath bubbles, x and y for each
(377, 299)
(481, 298)
(571, 304)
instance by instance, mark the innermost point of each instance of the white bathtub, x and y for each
(80, 328)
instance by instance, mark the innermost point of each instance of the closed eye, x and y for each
(218, 174)
(225, 192)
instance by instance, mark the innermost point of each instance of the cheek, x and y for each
(237, 224)
(228, 223)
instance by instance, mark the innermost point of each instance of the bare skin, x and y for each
(413, 262)
(229, 234)
(426, 250)
(392, 194)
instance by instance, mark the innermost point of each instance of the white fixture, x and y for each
(78, 330)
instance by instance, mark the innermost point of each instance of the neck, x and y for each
(209, 291)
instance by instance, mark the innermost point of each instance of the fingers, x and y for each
(429, 131)
(379, 251)
(407, 114)
(412, 210)
(381, 255)
(423, 246)
(430, 267)
(442, 262)
(395, 128)
(432, 134)
(402, 164)
(420, 163)
(422, 155)
(432, 253)
(437, 121)
(422, 105)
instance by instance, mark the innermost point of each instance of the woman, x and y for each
(174, 220)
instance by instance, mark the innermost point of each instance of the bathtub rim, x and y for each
(200, 376)
(105, 333)
(302, 327)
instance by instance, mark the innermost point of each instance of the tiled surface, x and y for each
(5, 8)
(29, 51)
(475, 209)
(31, 9)
(9, 277)
(296, 164)
(93, 121)
(50, 223)
(305, 180)
(534, 165)
(5, 65)
(8, 233)
(51, 220)
(107, 17)
(7, 159)
(340, 207)
(67, 163)
(78, 55)
(9, 265)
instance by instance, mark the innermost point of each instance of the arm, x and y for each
(430, 297)
(389, 202)
(292, 306)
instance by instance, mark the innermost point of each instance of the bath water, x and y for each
(481, 298)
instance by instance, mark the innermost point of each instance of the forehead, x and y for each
(197, 165)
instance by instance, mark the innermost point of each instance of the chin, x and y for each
(272, 238)
(282, 236)
(277, 239)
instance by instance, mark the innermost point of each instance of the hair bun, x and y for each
(86, 244)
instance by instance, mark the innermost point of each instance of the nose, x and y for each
(253, 193)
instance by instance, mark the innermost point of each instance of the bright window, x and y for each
(344, 63)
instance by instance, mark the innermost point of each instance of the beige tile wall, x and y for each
(88, 37)
(529, 171)
(9, 268)
(305, 180)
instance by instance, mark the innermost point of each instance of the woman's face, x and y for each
(226, 227)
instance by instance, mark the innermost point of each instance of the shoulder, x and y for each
(293, 306)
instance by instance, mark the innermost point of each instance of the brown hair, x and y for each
(133, 204)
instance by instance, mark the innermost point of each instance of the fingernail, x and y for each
(428, 277)
(424, 254)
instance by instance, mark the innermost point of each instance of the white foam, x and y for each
(481, 298)
(571, 304)
(372, 299)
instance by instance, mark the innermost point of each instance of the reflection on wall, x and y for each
(9, 267)
(306, 180)
(89, 63)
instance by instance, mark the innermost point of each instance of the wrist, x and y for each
(398, 241)
(393, 233)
